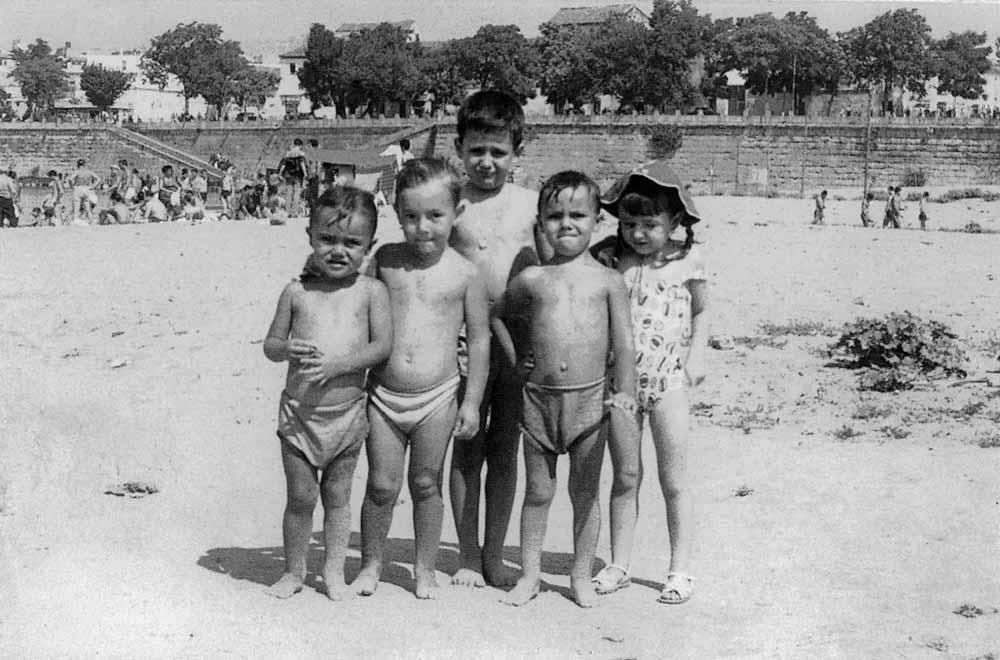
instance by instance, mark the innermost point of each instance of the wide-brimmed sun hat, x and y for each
(659, 174)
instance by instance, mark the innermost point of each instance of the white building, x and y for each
(290, 93)
(935, 102)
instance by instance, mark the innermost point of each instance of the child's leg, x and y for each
(502, 439)
(586, 457)
(335, 488)
(669, 422)
(428, 446)
(464, 483)
(624, 439)
(540, 486)
(386, 450)
(296, 526)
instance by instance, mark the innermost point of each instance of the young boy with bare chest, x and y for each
(577, 314)
(495, 232)
(415, 397)
(331, 325)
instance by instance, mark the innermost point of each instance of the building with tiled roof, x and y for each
(347, 29)
(595, 16)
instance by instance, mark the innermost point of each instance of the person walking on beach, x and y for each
(820, 201)
(8, 197)
(866, 218)
(922, 217)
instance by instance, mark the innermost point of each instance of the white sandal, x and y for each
(680, 584)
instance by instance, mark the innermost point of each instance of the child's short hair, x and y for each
(36, 210)
(313, 142)
(404, 144)
(419, 171)
(51, 173)
(115, 196)
(346, 201)
(167, 168)
(569, 180)
(490, 110)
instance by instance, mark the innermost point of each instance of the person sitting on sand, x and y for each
(322, 421)
(577, 315)
(416, 398)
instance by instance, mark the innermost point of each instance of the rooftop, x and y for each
(593, 15)
(359, 27)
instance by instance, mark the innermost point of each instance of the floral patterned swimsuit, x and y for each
(660, 302)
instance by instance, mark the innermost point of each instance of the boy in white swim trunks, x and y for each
(416, 398)
(577, 314)
(331, 325)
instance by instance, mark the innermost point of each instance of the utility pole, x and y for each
(868, 140)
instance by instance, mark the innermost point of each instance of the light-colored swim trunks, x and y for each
(408, 410)
(322, 433)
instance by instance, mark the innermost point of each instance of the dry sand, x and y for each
(133, 353)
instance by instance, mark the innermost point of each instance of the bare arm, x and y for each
(622, 343)
(512, 299)
(477, 329)
(695, 364)
(277, 346)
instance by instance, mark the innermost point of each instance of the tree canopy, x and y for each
(103, 86)
(205, 64)
(497, 57)
(959, 62)
(41, 76)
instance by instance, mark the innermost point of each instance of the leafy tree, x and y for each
(755, 45)
(892, 49)
(323, 74)
(41, 76)
(384, 67)
(497, 57)
(252, 86)
(959, 60)
(204, 62)
(628, 66)
(567, 66)
(442, 68)
(103, 86)
(682, 43)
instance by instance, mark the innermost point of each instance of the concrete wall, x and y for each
(24, 147)
(722, 155)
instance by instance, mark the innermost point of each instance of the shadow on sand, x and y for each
(265, 565)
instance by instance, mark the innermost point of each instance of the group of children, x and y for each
(893, 208)
(494, 318)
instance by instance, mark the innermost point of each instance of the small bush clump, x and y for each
(895, 432)
(898, 349)
(870, 411)
(846, 432)
(956, 194)
(798, 328)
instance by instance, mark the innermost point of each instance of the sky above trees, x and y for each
(132, 23)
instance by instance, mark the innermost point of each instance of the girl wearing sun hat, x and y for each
(667, 293)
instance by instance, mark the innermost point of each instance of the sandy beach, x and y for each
(133, 354)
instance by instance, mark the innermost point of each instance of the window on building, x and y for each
(292, 67)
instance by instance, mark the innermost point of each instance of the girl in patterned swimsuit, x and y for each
(667, 294)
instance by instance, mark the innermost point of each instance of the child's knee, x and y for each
(383, 490)
(539, 492)
(425, 484)
(626, 479)
(302, 497)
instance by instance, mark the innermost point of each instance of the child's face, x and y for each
(426, 214)
(568, 220)
(339, 247)
(648, 234)
(488, 156)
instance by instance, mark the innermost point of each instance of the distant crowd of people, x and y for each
(893, 208)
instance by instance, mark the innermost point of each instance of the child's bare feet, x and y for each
(289, 585)
(333, 584)
(583, 592)
(367, 581)
(525, 590)
(468, 574)
(427, 585)
(498, 574)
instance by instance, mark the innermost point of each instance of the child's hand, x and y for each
(695, 368)
(525, 366)
(467, 422)
(317, 368)
(299, 349)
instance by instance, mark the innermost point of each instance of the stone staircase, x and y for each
(166, 152)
